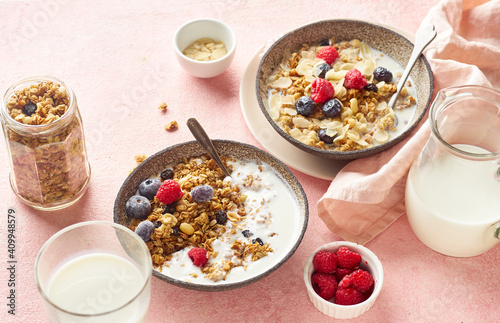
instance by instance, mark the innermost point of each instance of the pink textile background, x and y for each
(117, 56)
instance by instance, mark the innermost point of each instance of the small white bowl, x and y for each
(369, 262)
(204, 28)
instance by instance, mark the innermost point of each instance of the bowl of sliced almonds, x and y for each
(326, 87)
(204, 47)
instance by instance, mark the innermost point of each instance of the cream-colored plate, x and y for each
(275, 144)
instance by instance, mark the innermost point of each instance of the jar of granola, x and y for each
(44, 136)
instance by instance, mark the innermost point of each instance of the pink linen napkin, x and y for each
(368, 194)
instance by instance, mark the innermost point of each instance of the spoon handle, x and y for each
(423, 37)
(201, 136)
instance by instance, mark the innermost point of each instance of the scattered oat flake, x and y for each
(172, 126)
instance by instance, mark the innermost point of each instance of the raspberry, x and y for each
(340, 273)
(328, 53)
(346, 281)
(324, 285)
(347, 258)
(169, 192)
(321, 90)
(198, 256)
(348, 296)
(325, 262)
(355, 80)
(362, 280)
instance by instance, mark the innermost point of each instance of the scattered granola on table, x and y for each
(234, 219)
(163, 106)
(173, 125)
(334, 96)
(140, 158)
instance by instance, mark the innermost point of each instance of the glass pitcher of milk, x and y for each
(453, 187)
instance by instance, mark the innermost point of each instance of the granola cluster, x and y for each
(50, 166)
(192, 224)
(365, 118)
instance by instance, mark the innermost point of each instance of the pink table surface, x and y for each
(118, 58)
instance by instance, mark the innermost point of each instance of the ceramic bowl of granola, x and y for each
(204, 47)
(325, 87)
(211, 232)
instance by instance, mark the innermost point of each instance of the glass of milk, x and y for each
(453, 188)
(94, 271)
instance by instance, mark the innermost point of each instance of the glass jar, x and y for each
(43, 130)
(453, 188)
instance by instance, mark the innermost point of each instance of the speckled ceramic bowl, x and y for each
(173, 155)
(389, 42)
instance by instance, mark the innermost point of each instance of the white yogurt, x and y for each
(272, 215)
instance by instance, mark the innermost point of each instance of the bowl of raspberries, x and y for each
(325, 88)
(343, 279)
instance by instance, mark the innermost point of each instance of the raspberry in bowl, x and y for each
(343, 279)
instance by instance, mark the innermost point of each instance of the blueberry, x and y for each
(138, 207)
(221, 217)
(259, 241)
(176, 231)
(331, 108)
(305, 106)
(202, 193)
(247, 233)
(324, 42)
(382, 74)
(371, 87)
(144, 230)
(149, 187)
(167, 174)
(29, 108)
(325, 67)
(170, 208)
(324, 137)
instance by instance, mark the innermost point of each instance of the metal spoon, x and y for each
(423, 37)
(203, 139)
